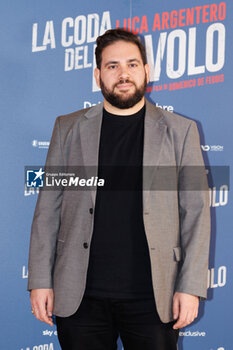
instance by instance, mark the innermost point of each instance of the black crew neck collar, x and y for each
(138, 114)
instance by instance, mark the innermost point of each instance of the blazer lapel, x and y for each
(90, 129)
(154, 132)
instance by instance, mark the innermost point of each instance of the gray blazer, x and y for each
(177, 222)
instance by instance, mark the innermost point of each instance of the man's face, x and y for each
(123, 76)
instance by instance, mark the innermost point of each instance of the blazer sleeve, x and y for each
(194, 212)
(46, 223)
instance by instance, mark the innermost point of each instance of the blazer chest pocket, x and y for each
(177, 254)
(60, 247)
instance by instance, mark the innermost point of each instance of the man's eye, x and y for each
(133, 65)
(113, 66)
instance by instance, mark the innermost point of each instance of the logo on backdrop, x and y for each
(215, 148)
(217, 277)
(87, 104)
(29, 191)
(49, 333)
(192, 334)
(24, 272)
(178, 32)
(40, 347)
(218, 198)
(40, 144)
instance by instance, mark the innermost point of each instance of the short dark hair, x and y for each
(113, 35)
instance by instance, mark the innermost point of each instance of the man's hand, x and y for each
(42, 304)
(185, 309)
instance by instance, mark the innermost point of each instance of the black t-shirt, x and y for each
(119, 264)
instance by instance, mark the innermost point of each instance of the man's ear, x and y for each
(97, 76)
(147, 70)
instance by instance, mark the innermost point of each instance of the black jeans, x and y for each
(98, 322)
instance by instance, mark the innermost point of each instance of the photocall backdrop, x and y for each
(47, 63)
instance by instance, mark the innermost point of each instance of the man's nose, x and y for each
(124, 72)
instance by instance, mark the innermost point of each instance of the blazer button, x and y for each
(85, 245)
(91, 210)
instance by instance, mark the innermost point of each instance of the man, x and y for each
(130, 263)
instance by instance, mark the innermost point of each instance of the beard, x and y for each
(123, 101)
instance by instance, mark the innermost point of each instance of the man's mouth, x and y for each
(124, 85)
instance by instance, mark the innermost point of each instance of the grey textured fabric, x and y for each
(177, 223)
